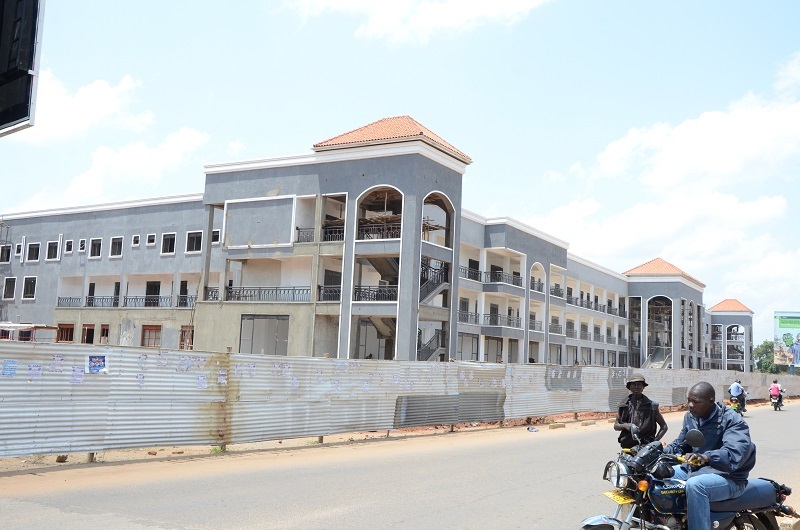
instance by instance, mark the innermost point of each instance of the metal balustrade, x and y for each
(381, 293)
(557, 291)
(537, 285)
(330, 293)
(149, 300)
(382, 231)
(556, 328)
(502, 277)
(501, 320)
(571, 333)
(469, 274)
(305, 235)
(535, 325)
(269, 294)
(70, 301)
(333, 233)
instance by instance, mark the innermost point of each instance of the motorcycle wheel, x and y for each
(751, 522)
(775, 405)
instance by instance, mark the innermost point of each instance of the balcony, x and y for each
(611, 339)
(501, 320)
(149, 300)
(599, 338)
(379, 231)
(573, 300)
(304, 235)
(535, 325)
(557, 291)
(612, 310)
(127, 301)
(585, 335)
(737, 337)
(329, 293)
(380, 293)
(268, 294)
(556, 328)
(469, 274)
(622, 341)
(571, 333)
(502, 277)
(468, 318)
(333, 233)
(537, 285)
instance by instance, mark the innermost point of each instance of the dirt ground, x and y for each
(40, 463)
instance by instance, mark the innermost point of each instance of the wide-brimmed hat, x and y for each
(636, 378)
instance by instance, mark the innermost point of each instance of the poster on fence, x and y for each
(96, 364)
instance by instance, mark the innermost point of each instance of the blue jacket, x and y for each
(727, 443)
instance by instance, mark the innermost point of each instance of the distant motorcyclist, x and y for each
(638, 413)
(775, 390)
(737, 390)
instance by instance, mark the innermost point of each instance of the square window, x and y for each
(68, 246)
(33, 252)
(151, 240)
(135, 241)
(9, 288)
(29, 288)
(66, 333)
(5, 253)
(95, 247)
(82, 245)
(116, 247)
(168, 243)
(52, 250)
(215, 237)
(194, 242)
(151, 336)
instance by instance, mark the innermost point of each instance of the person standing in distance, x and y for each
(722, 464)
(639, 411)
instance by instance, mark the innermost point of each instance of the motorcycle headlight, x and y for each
(617, 474)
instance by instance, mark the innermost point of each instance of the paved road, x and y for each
(498, 478)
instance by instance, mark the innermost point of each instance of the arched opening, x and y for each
(437, 220)
(659, 332)
(380, 214)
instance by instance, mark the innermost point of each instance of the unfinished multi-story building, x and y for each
(360, 249)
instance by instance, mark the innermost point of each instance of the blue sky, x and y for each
(632, 130)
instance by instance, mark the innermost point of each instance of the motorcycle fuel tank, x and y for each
(668, 496)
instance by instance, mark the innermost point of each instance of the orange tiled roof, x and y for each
(660, 267)
(730, 304)
(400, 128)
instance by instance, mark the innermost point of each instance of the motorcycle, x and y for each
(736, 405)
(648, 497)
(777, 401)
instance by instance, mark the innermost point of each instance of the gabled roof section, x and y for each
(660, 267)
(391, 130)
(731, 305)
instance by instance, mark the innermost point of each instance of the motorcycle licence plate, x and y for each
(619, 498)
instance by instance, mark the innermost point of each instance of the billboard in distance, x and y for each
(787, 338)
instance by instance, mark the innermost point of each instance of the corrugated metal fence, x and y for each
(64, 398)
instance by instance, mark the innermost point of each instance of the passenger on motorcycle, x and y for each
(726, 456)
(638, 411)
(775, 390)
(737, 390)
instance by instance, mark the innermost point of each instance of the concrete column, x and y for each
(207, 253)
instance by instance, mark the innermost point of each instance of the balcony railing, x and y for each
(622, 341)
(535, 325)
(212, 293)
(557, 291)
(574, 300)
(716, 336)
(333, 233)
(382, 231)
(610, 339)
(269, 294)
(571, 333)
(305, 235)
(468, 318)
(555, 328)
(599, 338)
(149, 300)
(102, 301)
(330, 293)
(380, 293)
(623, 313)
(70, 301)
(736, 338)
(186, 300)
(537, 285)
(612, 310)
(502, 277)
(585, 335)
(469, 274)
(501, 320)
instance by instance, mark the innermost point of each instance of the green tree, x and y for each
(764, 358)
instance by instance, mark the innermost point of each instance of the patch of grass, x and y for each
(217, 450)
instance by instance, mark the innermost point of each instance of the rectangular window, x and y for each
(68, 246)
(135, 241)
(88, 334)
(104, 334)
(52, 250)
(168, 243)
(9, 289)
(66, 333)
(82, 245)
(95, 247)
(265, 334)
(116, 247)
(5, 253)
(215, 237)
(151, 336)
(187, 337)
(151, 240)
(33, 252)
(194, 242)
(29, 288)
(18, 250)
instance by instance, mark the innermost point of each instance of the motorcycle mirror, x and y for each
(695, 438)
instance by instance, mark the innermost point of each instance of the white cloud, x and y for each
(416, 21)
(788, 78)
(61, 113)
(118, 174)
(235, 148)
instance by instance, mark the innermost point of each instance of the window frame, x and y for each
(174, 236)
(57, 246)
(149, 237)
(186, 248)
(62, 329)
(216, 235)
(121, 240)
(13, 291)
(7, 247)
(92, 241)
(82, 246)
(135, 240)
(31, 246)
(17, 250)
(146, 329)
(24, 288)
(68, 246)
